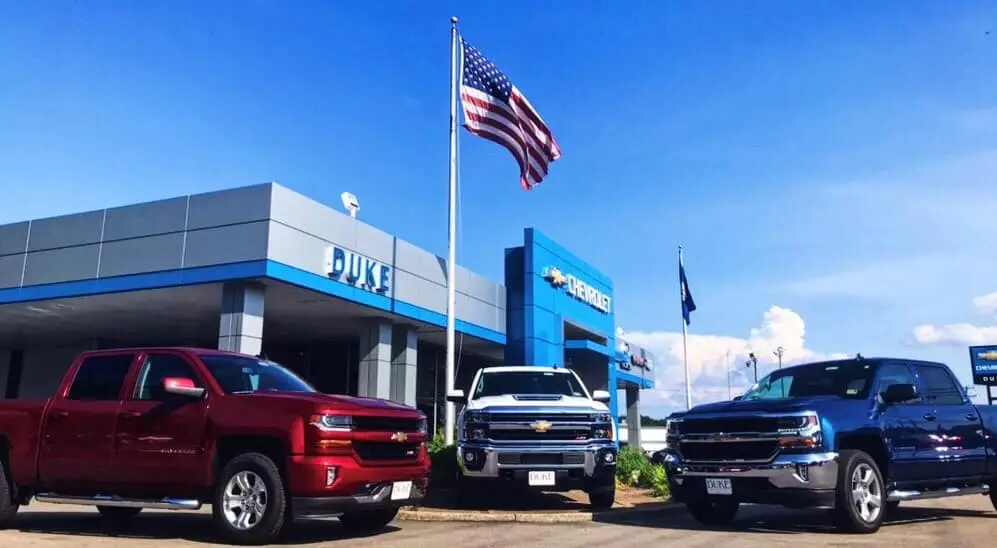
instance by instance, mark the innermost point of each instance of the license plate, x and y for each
(718, 486)
(542, 479)
(401, 490)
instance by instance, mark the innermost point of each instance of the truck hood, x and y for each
(525, 400)
(788, 405)
(318, 400)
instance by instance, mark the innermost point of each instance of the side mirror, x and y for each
(455, 396)
(899, 393)
(600, 396)
(182, 386)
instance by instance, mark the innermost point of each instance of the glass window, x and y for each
(939, 388)
(894, 373)
(158, 367)
(547, 383)
(845, 379)
(244, 375)
(101, 378)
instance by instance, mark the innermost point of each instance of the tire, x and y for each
(993, 496)
(250, 505)
(8, 501)
(713, 513)
(115, 514)
(368, 521)
(603, 498)
(859, 476)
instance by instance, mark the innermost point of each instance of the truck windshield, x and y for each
(846, 379)
(547, 383)
(244, 375)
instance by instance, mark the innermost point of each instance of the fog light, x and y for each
(609, 457)
(469, 457)
(330, 475)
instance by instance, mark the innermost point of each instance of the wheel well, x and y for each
(871, 444)
(229, 447)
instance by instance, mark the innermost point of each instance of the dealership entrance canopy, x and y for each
(264, 269)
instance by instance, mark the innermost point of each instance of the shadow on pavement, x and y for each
(772, 520)
(169, 526)
(507, 499)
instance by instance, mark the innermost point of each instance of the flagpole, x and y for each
(685, 341)
(450, 411)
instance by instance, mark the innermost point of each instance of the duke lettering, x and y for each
(358, 270)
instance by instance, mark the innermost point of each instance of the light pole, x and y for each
(753, 363)
(779, 352)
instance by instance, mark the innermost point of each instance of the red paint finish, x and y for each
(160, 436)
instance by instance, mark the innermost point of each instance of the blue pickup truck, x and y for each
(858, 436)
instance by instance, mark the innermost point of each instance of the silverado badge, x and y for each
(540, 426)
(400, 437)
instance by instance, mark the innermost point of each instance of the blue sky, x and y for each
(833, 159)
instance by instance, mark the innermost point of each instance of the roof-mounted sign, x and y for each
(578, 289)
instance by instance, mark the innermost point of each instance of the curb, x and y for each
(493, 516)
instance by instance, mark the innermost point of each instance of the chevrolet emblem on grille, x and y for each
(540, 426)
(399, 437)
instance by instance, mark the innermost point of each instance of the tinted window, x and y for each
(101, 378)
(548, 383)
(244, 375)
(894, 373)
(939, 387)
(158, 367)
(845, 379)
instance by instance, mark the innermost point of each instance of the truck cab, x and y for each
(536, 427)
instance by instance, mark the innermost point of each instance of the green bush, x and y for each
(634, 469)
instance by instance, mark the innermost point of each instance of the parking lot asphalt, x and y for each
(952, 523)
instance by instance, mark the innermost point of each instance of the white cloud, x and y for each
(961, 334)
(709, 356)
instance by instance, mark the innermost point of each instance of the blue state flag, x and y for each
(688, 304)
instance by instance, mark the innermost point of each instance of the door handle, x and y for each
(972, 416)
(929, 416)
(56, 415)
(131, 414)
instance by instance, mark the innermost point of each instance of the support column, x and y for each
(374, 376)
(241, 325)
(404, 354)
(633, 416)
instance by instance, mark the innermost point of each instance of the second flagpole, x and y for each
(685, 342)
(450, 409)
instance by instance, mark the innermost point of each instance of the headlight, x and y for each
(474, 416)
(602, 417)
(332, 423)
(423, 426)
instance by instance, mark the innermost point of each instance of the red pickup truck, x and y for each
(178, 428)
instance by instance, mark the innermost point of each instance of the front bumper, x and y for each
(377, 496)
(570, 462)
(807, 480)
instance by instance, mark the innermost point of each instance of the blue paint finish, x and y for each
(240, 271)
(590, 346)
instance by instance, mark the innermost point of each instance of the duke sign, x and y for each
(357, 270)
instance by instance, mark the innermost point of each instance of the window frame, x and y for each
(142, 365)
(68, 394)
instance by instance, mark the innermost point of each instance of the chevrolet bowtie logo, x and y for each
(554, 276)
(399, 437)
(990, 355)
(540, 426)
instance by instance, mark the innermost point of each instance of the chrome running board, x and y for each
(897, 495)
(118, 502)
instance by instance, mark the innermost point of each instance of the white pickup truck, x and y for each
(535, 426)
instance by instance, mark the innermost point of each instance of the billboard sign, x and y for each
(984, 361)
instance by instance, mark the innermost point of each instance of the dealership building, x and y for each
(263, 269)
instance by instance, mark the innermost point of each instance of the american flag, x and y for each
(496, 110)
